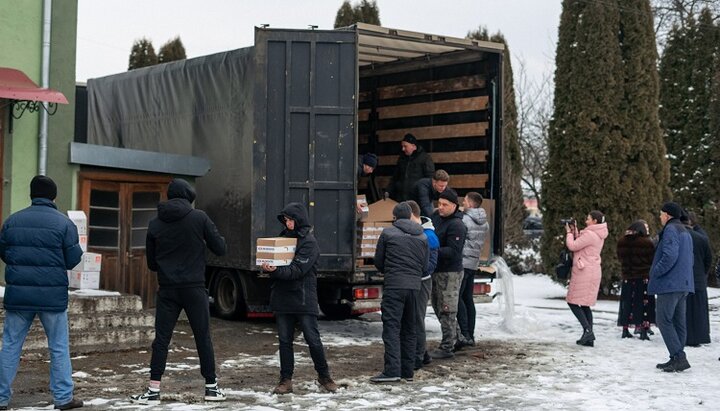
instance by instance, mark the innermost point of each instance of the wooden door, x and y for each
(118, 215)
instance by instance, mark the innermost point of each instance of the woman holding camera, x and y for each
(586, 246)
(635, 251)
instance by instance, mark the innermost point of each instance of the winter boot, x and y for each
(644, 334)
(677, 364)
(427, 359)
(440, 354)
(626, 333)
(149, 397)
(664, 364)
(283, 387)
(74, 403)
(328, 384)
(587, 339)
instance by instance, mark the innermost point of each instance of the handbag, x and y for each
(564, 267)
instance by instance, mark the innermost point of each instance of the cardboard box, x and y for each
(275, 256)
(275, 262)
(89, 262)
(362, 207)
(381, 211)
(281, 249)
(276, 242)
(83, 242)
(79, 218)
(84, 279)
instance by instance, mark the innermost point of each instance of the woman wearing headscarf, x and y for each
(586, 246)
(635, 251)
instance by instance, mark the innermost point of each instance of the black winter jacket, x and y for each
(176, 240)
(451, 233)
(409, 170)
(402, 255)
(702, 259)
(294, 287)
(635, 253)
(424, 194)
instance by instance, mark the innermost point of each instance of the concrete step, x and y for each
(84, 342)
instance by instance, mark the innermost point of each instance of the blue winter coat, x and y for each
(38, 244)
(672, 267)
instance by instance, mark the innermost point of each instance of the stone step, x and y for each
(84, 342)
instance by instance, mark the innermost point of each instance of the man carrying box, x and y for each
(38, 244)
(294, 299)
(175, 247)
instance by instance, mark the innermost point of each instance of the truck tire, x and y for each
(227, 291)
(334, 311)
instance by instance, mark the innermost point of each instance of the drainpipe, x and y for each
(45, 83)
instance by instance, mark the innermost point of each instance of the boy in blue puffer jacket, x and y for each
(421, 355)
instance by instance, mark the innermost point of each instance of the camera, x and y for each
(568, 221)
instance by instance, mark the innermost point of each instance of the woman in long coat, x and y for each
(635, 251)
(586, 246)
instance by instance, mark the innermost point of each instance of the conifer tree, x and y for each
(171, 51)
(512, 197)
(364, 12)
(605, 146)
(142, 54)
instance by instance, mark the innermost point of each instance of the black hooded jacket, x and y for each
(451, 233)
(402, 255)
(176, 239)
(294, 287)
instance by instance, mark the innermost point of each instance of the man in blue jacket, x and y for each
(671, 278)
(38, 244)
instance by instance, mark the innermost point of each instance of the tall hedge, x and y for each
(605, 145)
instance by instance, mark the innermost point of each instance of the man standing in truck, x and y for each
(175, 246)
(294, 299)
(413, 164)
(427, 190)
(449, 272)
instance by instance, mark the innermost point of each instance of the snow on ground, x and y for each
(615, 374)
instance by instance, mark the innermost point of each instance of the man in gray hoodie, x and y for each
(402, 256)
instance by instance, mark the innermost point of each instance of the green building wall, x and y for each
(21, 48)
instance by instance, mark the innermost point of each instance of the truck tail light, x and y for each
(366, 293)
(481, 288)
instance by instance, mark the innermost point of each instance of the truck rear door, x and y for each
(305, 146)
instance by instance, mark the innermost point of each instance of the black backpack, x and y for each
(564, 267)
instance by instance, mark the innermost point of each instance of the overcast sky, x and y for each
(108, 28)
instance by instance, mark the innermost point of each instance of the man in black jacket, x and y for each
(449, 272)
(175, 249)
(294, 299)
(413, 164)
(427, 190)
(401, 255)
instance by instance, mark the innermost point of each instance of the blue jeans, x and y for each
(670, 318)
(286, 334)
(17, 325)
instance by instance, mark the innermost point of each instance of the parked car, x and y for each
(533, 227)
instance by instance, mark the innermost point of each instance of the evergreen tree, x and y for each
(171, 51)
(605, 146)
(512, 197)
(142, 54)
(364, 12)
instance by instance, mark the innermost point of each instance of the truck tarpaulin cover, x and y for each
(173, 108)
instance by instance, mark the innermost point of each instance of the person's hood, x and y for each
(427, 223)
(297, 212)
(408, 226)
(174, 209)
(478, 215)
(179, 188)
(419, 150)
(600, 230)
(456, 214)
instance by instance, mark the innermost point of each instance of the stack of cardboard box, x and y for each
(277, 251)
(87, 273)
(378, 217)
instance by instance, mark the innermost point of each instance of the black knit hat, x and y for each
(402, 211)
(672, 209)
(43, 187)
(450, 195)
(370, 159)
(410, 138)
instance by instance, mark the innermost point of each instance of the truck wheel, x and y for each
(228, 294)
(334, 311)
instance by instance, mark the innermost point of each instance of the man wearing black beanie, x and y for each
(38, 244)
(401, 255)
(413, 164)
(449, 272)
(671, 279)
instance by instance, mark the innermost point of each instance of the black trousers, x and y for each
(170, 301)
(399, 317)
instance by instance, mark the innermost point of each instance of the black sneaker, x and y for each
(382, 378)
(149, 397)
(426, 358)
(74, 403)
(213, 393)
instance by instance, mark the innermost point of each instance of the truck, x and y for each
(287, 119)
